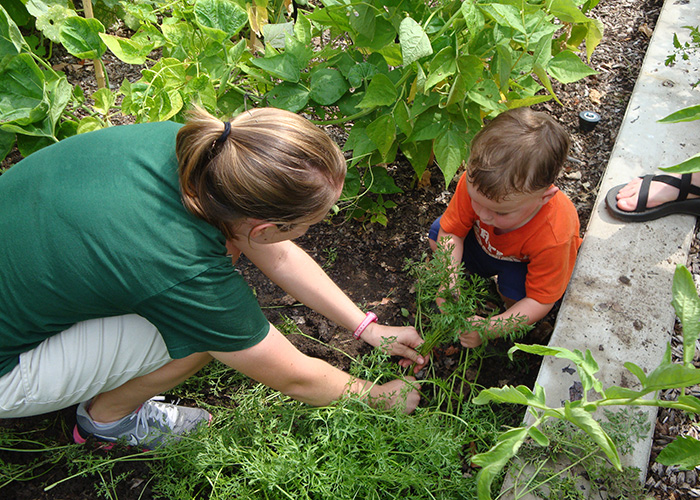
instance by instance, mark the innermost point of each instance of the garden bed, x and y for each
(367, 260)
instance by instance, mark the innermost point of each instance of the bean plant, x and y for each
(412, 77)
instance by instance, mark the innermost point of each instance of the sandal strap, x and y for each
(684, 186)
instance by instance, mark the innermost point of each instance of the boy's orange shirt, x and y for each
(548, 242)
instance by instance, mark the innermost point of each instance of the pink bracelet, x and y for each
(369, 318)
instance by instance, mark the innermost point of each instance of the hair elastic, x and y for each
(224, 135)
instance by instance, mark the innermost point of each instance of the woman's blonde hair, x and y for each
(272, 165)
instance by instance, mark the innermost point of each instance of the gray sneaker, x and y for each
(150, 426)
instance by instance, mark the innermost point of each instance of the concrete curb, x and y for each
(618, 303)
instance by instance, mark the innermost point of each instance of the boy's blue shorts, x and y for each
(510, 275)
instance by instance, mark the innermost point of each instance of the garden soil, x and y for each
(368, 260)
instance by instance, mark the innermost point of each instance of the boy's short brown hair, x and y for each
(520, 151)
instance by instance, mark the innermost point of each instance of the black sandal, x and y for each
(681, 205)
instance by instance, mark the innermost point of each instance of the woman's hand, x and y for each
(396, 392)
(398, 341)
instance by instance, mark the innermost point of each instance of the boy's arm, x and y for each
(527, 308)
(457, 245)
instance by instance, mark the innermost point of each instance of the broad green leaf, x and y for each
(201, 90)
(104, 100)
(594, 35)
(327, 86)
(361, 72)
(527, 101)
(168, 73)
(670, 375)
(474, 18)
(220, 19)
(504, 63)
(17, 11)
(585, 421)
(457, 94)
(125, 49)
(81, 37)
(7, 140)
(275, 34)
(29, 144)
(538, 436)
(380, 92)
(691, 403)
(442, 66)
(688, 166)
(382, 132)
(521, 395)
(164, 105)
(282, 66)
(683, 452)
(567, 67)
(688, 114)
(401, 118)
(89, 124)
(392, 54)
(544, 78)
(450, 152)
(419, 154)
(22, 97)
(471, 68)
(428, 125)
(567, 11)
(637, 372)
(50, 17)
(616, 392)
(383, 35)
(506, 15)
(302, 29)
(359, 143)
(413, 40)
(686, 303)
(493, 461)
(290, 96)
(487, 94)
(11, 39)
(381, 182)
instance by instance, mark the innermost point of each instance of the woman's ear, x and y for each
(260, 231)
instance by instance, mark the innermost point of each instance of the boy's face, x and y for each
(512, 212)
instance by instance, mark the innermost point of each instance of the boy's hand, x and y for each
(396, 392)
(471, 339)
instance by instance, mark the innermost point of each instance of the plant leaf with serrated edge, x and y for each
(688, 166)
(493, 461)
(582, 419)
(683, 452)
(22, 97)
(125, 49)
(689, 114)
(220, 19)
(686, 303)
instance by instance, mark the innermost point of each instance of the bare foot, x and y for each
(659, 193)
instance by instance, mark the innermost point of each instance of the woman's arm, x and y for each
(300, 276)
(275, 362)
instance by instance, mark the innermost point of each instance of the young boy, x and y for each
(507, 219)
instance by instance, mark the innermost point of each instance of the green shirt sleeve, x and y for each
(214, 311)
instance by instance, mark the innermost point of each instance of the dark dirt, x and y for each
(367, 261)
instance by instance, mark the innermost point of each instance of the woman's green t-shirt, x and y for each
(94, 226)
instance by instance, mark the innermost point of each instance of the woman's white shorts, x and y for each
(73, 366)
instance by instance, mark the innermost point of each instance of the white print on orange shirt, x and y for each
(483, 238)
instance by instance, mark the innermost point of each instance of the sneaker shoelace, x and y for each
(147, 413)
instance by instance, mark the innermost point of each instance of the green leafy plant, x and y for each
(580, 413)
(463, 297)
